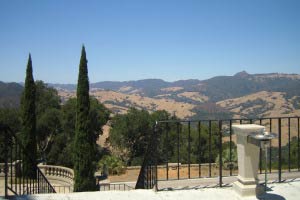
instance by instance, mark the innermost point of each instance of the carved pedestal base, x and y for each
(248, 188)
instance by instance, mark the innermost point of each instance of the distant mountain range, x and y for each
(217, 88)
(10, 94)
(217, 96)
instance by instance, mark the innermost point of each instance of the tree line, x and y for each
(54, 133)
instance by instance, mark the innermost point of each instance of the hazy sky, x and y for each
(131, 40)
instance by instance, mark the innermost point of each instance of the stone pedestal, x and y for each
(248, 159)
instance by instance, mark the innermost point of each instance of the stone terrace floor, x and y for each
(289, 189)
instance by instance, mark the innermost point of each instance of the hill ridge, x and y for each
(192, 97)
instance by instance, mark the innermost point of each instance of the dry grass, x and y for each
(280, 105)
(194, 96)
(182, 110)
(102, 138)
(171, 89)
(125, 89)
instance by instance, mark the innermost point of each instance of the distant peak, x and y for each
(242, 74)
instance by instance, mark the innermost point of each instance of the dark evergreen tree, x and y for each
(84, 142)
(29, 123)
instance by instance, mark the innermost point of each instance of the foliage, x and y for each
(60, 148)
(98, 116)
(296, 102)
(11, 117)
(46, 97)
(131, 133)
(60, 151)
(228, 163)
(48, 116)
(199, 143)
(69, 117)
(84, 142)
(48, 126)
(2, 147)
(260, 106)
(210, 111)
(294, 152)
(112, 164)
(29, 122)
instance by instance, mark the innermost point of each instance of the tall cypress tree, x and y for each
(28, 132)
(84, 143)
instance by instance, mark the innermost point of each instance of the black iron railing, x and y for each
(115, 186)
(207, 148)
(147, 178)
(12, 155)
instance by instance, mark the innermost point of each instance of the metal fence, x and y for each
(115, 186)
(147, 178)
(12, 155)
(206, 148)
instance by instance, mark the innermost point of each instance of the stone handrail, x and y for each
(11, 168)
(1, 169)
(58, 173)
(48, 170)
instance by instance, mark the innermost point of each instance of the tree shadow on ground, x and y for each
(270, 197)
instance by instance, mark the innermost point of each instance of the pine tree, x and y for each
(84, 142)
(29, 123)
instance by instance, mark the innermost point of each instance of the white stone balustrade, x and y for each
(58, 173)
(11, 168)
(50, 171)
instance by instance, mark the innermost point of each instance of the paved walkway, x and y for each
(188, 189)
(289, 190)
(214, 182)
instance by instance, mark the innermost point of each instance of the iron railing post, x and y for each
(6, 163)
(209, 148)
(260, 153)
(11, 163)
(298, 145)
(230, 147)
(199, 146)
(220, 153)
(38, 182)
(178, 155)
(148, 174)
(189, 149)
(156, 154)
(156, 178)
(167, 155)
(279, 150)
(270, 149)
(289, 144)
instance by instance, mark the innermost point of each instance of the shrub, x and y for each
(226, 158)
(112, 164)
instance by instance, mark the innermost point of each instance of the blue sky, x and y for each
(139, 39)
